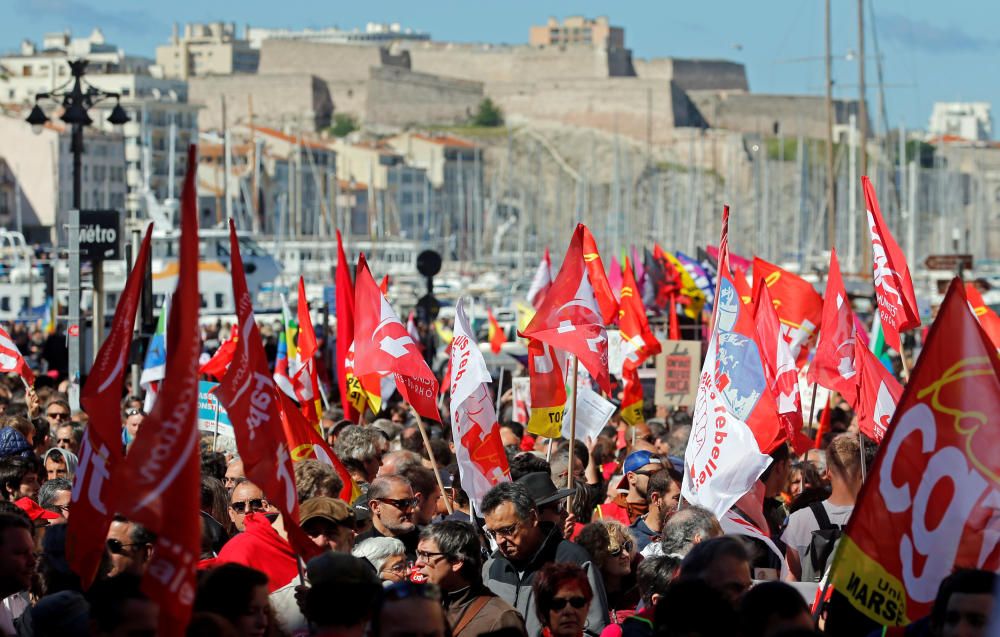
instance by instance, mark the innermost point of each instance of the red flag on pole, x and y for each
(547, 375)
(217, 365)
(570, 318)
(305, 443)
(382, 346)
(101, 448)
(159, 484)
(878, 393)
(307, 377)
(929, 505)
(542, 281)
(599, 279)
(833, 365)
(779, 369)
(384, 285)
(345, 335)
(12, 361)
(632, 321)
(798, 305)
(248, 393)
(496, 336)
(897, 304)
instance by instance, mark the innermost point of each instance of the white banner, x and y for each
(593, 414)
(722, 460)
(482, 462)
(521, 399)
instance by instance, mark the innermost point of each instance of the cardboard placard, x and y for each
(677, 370)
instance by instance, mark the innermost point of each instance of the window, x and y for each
(220, 300)
(5, 304)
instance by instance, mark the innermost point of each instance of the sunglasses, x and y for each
(403, 505)
(559, 603)
(134, 412)
(256, 505)
(625, 547)
(116, 547)
(57, 415)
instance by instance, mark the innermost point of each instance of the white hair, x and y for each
(378, 549)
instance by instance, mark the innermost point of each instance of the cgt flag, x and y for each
(482, 462)
(248, 393)
(571, 318)
(159, 484)
(101, 448)
(219, 363)
(305, 443)
(878, 393)
(897, 305)
(987, 317)
(642, 343)
(931, 501)
(734, 425)
(495, 333)
(383, 347)
(833, 365)
(547, 392)
(351, 394)
(306, 379)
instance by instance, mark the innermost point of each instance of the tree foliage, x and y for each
(488, 114)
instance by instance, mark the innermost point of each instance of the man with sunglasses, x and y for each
(524, 545)
(393, 507)
(638, 467)
(57, 412)
(450, 557)
(130, 545)
(246, 497)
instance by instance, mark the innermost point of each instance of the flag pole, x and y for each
(861, 447)
(812, 407)
(572, 432)
(902, 358)
(215, 436)
(499, 391)
(430, 456)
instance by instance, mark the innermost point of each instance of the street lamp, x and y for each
(76, 98)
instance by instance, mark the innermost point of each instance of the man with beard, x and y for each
(638, 467)
(393, 506)
(663, 491)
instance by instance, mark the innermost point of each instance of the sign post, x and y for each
(73, 329)
(99, 233)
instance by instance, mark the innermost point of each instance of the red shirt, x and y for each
(260, 547)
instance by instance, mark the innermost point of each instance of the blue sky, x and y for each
(932, 50)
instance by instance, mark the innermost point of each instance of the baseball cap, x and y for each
(333, 509)
(35, 512)
(635, 461)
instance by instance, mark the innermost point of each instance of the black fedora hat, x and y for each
(543, 491)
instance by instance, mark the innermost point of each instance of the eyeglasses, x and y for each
(66, 441)
(559, 603)
(403, 505)
(132, 411)
(399, 567)
(507, 531)
(425, 556)
(625, 547)
(117, 548)
(57, 415)
(256, 505)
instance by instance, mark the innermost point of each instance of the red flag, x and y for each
(987, 317)
(547, 373)
(345, 336)
(632, 399)
(570, 318)
(384, 285)
(632, 321)
(779, 368)
(305, 443)
(248, 393)
(897, 304)
(159, 485)
(542, 281)
(217, 365)
(307, 377)
(878, 394)
(824, 423)
(496, 335)
(101, 448)
(598, 278)
(833, 365)
(798, 305)
(742, 287)
(383, 347)
(929, 505)
(12, 361)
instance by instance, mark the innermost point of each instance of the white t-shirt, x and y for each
(802, 523)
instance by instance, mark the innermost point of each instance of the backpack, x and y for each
(821, 546)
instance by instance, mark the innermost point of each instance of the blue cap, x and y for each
(639, 459)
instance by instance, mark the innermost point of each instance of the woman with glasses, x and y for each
(612, 546)
(562, 600)
(387, 555)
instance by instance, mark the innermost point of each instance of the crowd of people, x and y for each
(617, 554)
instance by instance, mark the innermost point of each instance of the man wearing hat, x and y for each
(548, 498)
(329, 522)
(638, 467)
